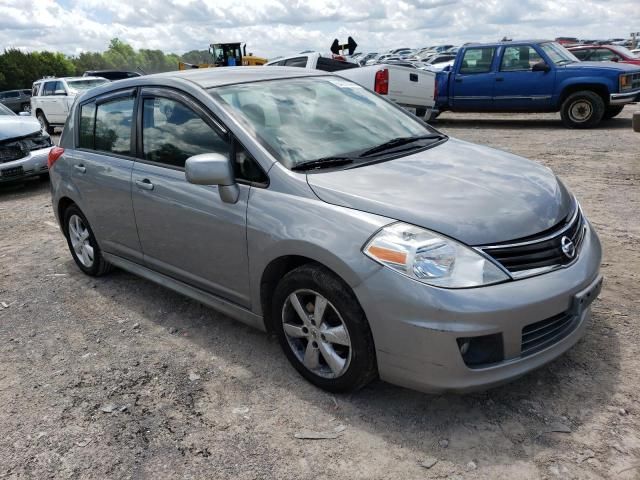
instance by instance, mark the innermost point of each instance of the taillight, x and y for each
(435, 89)
(381, 85)
(54, 154)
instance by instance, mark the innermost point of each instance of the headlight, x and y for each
(431, 258)
(625, 82)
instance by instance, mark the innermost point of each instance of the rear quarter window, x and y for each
(86, 126)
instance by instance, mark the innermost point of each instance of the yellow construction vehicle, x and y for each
(227, 55)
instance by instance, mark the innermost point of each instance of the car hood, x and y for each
(15, 126)
(618, 66)
(472, 193)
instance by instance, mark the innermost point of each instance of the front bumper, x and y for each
(33, 164)
(416, 327)
(624, 98)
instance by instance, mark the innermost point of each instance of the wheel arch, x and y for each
(280, 266)
(599, 88)
(63, 204)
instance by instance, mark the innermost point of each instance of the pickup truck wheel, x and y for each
(323, 330)
(611, 112)
(582, 109)
(44, 124)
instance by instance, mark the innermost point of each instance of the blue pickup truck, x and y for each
(536, 76)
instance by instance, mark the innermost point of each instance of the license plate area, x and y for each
(12, 172)
(583, 299)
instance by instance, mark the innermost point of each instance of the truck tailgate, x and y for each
(409, 86)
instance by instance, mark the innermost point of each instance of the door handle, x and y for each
(81, 168)
(499, 79)
(144, 184)
(413, 77)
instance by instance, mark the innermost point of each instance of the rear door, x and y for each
(187, 232)
(101, 170)
(474, 79)
(517, 87)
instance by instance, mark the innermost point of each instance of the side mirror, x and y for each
(540, 67)
(213, 169)
(61, 93)
(24, 114)
(615, 59)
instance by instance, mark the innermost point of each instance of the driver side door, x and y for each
(517, 86)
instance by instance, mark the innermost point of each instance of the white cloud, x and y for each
(275, 27)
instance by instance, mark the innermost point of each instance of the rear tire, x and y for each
(44, 123)
(334, 351)
(82, 243)
(583, 109)
(612, 111)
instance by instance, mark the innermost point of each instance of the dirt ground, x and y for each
(119, 378)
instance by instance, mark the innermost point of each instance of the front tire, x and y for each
(583, 109)
(82, 243)
(323, 330)
(612, 111)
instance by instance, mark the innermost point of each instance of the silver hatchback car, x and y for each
(303, 204)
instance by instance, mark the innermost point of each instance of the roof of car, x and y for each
(508, 42)
(214, 77)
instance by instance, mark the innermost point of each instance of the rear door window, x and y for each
(296, 62)
(113, 126)
(477, 60)
(49, 88)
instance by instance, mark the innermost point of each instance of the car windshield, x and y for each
(5, 110)
(86, 84)
(558, 54)
(305, 119)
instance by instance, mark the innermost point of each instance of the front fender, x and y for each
(588, 81)
(281, 224)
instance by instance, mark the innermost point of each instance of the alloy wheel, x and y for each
(79, 235)
(316, 333)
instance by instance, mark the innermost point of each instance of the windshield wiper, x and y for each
(397, 142)
(324, 162)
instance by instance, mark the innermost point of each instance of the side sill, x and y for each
(223, 306)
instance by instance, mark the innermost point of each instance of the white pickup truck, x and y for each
(410, 88)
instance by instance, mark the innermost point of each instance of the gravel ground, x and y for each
(119, 378)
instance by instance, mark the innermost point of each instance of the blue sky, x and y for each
(277, 27)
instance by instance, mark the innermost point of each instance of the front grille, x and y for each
(542, 334)
(17, 149)
(541, 251)
(9, 153)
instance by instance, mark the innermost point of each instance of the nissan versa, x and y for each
(303, 204)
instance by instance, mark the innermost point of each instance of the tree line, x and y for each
(20, 69)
